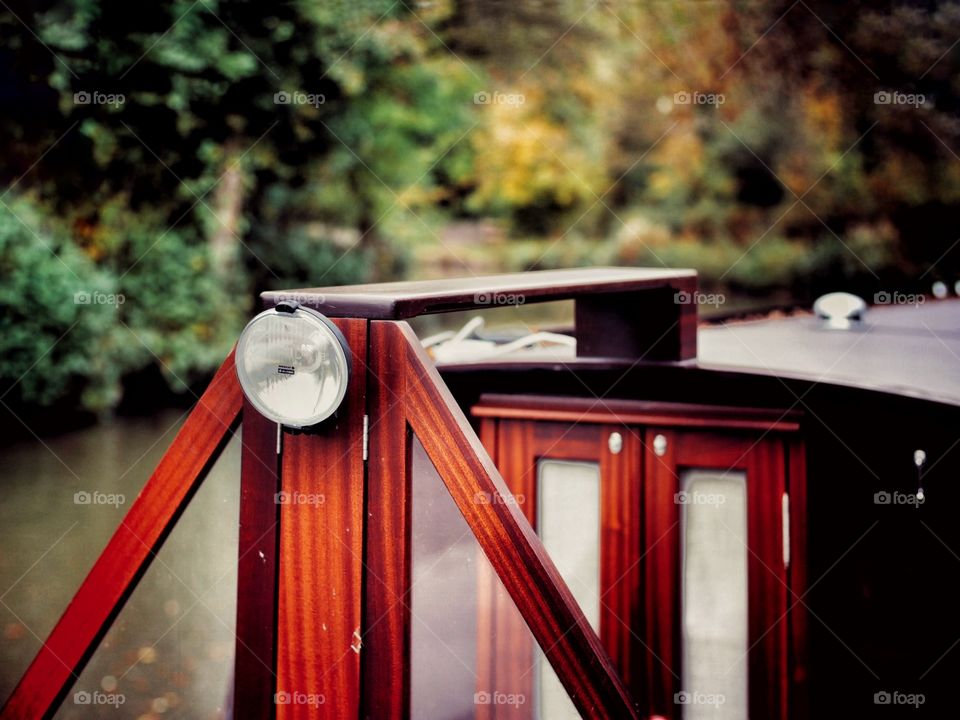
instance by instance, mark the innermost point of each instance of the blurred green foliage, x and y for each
(232, 147)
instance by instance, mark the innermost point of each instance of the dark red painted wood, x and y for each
(321, 556)
(510, 544)
(130, 550)
(798, 618)
(255, 677)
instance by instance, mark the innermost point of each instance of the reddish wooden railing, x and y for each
(322, 597)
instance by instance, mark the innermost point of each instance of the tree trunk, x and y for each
(227, 208)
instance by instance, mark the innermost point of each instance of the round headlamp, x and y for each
(293, 365)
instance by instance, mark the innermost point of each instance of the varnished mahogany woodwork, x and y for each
(620, 312)
(763, 462)
(255, 678)
(386, 634)
(660, 631)
(634, 412)
(638, 490)
(511, 546)
(321, 556)
(129, 552)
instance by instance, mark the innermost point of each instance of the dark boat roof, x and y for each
(911, 350)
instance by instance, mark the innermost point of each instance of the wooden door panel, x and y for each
(763, 462)
(641, 542)
(520, 445)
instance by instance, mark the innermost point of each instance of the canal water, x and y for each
(169, 654)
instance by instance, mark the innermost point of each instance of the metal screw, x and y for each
(660, 445)
(615, 443)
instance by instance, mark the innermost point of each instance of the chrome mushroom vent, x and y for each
(840, 310)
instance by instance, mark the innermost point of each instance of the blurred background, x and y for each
(164, 163)
(188, 155)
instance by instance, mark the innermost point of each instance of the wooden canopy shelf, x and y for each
(634, 313)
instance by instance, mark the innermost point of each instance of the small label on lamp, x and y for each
(286, 369)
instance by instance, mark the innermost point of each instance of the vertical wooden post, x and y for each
(320, 556)
(386, 639)
(254, 684)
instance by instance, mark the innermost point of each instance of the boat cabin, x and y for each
(643, 515)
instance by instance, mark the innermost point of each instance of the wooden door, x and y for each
(654, 464)
(674, 463)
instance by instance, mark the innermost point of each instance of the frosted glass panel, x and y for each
(568, 522)
(714, 530)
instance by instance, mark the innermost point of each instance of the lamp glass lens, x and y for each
(292, 367)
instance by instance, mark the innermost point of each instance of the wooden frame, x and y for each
(257, 568)
(799, 673)
(320, 593)
(387, 555)
(634, 412)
